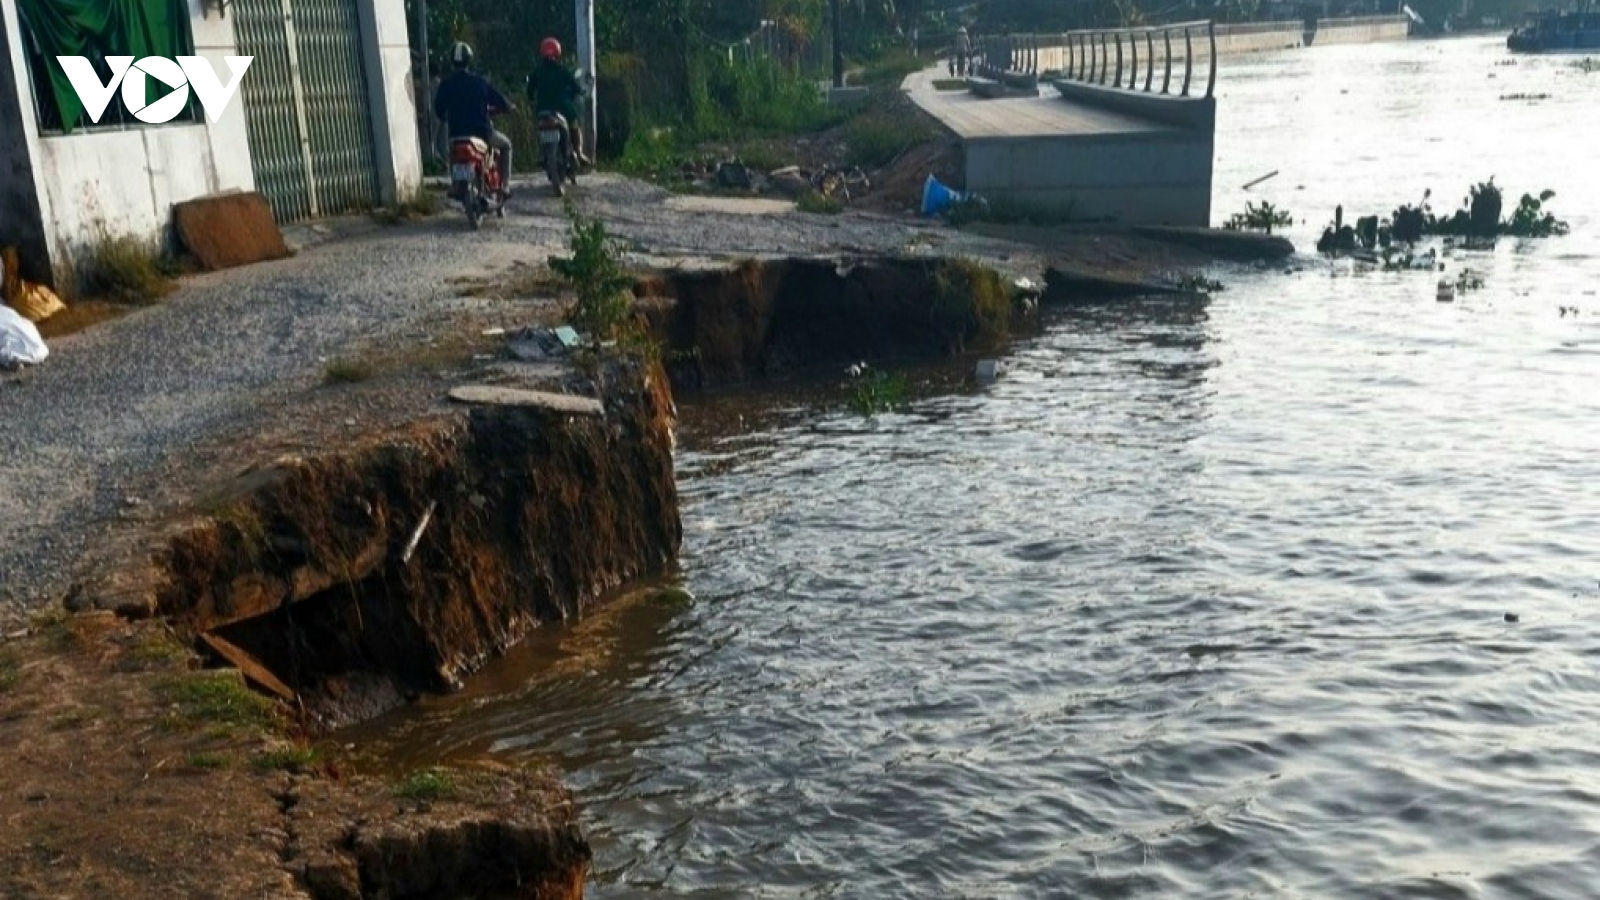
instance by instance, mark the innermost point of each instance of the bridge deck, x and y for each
(974, 118)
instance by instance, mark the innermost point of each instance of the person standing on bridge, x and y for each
(962, 51)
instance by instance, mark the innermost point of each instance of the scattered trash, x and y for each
(20, 341)
(1446, 292)
(936, 198)
(34, 301)
(531, 344)
(735, 175)
(988, 371)
(493, 332)
(1513, 617)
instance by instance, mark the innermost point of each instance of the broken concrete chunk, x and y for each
(489, 395)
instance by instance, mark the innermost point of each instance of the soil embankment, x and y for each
(349, 547)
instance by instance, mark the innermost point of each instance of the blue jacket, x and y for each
(464, 101)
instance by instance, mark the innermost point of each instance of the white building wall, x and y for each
(95, 183)
(385, 40)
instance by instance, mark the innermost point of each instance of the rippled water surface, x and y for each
(1203, 600)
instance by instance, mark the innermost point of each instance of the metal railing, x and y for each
(1097, 57)
(1122, 58)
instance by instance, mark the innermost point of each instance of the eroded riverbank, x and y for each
(354, 546)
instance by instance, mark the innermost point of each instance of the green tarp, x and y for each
(136, 28)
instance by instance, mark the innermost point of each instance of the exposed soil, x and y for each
(197, 459)
(131, 774)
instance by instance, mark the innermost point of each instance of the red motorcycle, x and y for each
(556, 151)
(475, 179)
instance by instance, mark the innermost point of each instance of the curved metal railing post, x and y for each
(1211, 80)
(1166, 79)
(1133, 63)
(1118, 82)
(1188, 60)
(1149, 60)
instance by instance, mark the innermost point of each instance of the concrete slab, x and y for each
(973, 117)
(490, 395)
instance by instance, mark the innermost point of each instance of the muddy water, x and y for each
(1202, 600)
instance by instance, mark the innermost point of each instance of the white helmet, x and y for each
(461, 55)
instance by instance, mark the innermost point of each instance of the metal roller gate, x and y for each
(306, 106)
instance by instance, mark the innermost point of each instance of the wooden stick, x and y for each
(1272, 174)
(248, 666)
(411, 545)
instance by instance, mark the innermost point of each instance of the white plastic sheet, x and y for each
(20, 342)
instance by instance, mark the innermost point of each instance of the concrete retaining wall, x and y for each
(1157, 178)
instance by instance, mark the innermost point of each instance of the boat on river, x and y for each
(1553, 31)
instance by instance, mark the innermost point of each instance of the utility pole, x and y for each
(587, 69)
(425, 126)
(838, 47)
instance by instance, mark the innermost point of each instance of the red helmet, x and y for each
(550, 48)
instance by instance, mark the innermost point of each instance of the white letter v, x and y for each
(214, 96)
(94, 95)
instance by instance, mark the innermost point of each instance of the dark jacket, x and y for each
(552, 86)
(464, 101)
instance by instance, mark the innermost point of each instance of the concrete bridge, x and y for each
(1116, 124)
(1124, 134)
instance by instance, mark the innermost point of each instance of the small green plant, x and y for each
(874, 392)
(427, 784)
(1198, 283)
(10, 672)
(818, 203)
(294, 760)
(595, 274)
(217, 699)
(1530, 219)
(126, 269)
(971, 305)
(346, 371)
(207, 760)
(1259, 218)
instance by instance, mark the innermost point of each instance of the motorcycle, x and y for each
(555, 147)
(475, 179)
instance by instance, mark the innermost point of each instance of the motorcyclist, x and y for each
(553, 87)
(465, 101)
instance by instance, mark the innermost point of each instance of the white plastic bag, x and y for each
(20, 343)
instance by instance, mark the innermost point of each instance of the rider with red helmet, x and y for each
(553, 87)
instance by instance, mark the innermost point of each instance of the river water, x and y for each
(1203, 599)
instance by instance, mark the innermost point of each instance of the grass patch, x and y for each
(294, 760)
(10, 673)
(156, 648)
(971, 305)
(891, 68)
(347, 371)
(874, 141)
(950, 84)
(814, 202)
(428, 784)
(54, 626)
(127, 269)
(74, 720)
(419, 206)
(218, 700)
(208, 761)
